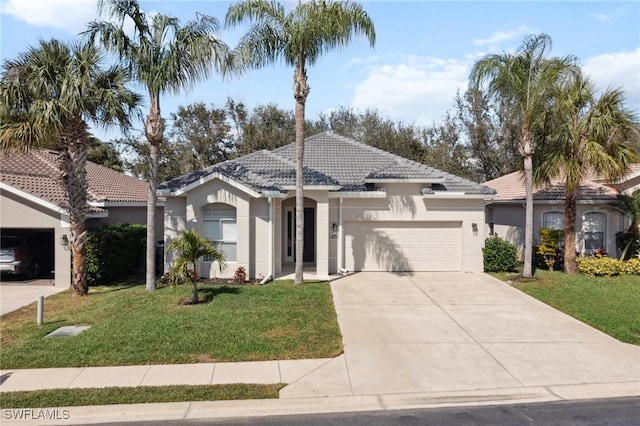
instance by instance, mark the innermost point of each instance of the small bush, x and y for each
(240, 275)
(114, 251)
(548, 249)
(601, 266)
(632, 266)
(499, 255)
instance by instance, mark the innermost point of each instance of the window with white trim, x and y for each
(594, 228)
(219, 227)
(553, 220)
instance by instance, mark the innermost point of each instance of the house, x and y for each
(32, 200)
(597, 222)
(364, 210)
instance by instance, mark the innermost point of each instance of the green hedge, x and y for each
(114, 251)
(499, 255)
(607, 266)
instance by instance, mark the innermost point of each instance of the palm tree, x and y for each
(191, 247)
(630, 205)
(298, 38)
(47, 96)
(164, 57)
(589, 135)
(527, 80)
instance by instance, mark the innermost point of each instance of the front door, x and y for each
(309, 235)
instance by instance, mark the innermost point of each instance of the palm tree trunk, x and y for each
(527, 152)
(153, 131)
(570, 264)
(300, 93)
(73, 175)
(194, 297)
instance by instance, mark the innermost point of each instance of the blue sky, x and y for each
(423, 53)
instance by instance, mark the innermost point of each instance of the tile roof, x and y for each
(329, 159)
(511, 188)
(36, 173)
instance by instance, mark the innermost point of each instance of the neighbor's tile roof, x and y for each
(36, 173)
(329, 159)
(511, 188)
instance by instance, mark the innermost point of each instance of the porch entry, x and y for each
(309, 235)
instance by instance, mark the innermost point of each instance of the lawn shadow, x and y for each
(207, 294)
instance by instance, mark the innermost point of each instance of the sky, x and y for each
(423, 54)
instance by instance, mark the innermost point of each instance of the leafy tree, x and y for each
(138, 159)
(527, 80)
(589, 134)
(445, 149)
(298, 37)
(104, 153)
(48, 94)
(201, 135)
(164, 57)
(630, 205)
(191, 247)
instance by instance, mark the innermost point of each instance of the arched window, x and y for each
(553, 220)
(219, 227)
(594, 227)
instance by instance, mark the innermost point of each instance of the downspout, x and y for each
(270, 276)
(341, 268)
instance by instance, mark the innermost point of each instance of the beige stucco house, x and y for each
(32, 200)
(597, 221)
(365, 210)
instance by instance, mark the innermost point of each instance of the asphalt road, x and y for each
(614, 412)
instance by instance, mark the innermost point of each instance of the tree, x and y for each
(201, 135)
(589, 135)
(527, 80)
(191, 247)
(164, 57)
(299, 38)
(104, 153)
(630, 205)
(48, 94)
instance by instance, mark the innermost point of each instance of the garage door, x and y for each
(403, 246)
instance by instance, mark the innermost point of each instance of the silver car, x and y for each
(21, 254)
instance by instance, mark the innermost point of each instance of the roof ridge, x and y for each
(280, 158)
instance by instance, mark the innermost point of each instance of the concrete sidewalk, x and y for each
(410, 341)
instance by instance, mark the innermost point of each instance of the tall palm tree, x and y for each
(527, 80)
(589, 134)
(164, 57)
(47, 96)
(191, 247)
(630, 205)
(299, 38)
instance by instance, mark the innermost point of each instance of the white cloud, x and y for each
(500, 36)
(68, 15)
(617, 69)
(608, 17)
(418, 89)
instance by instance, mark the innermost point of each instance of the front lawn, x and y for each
(610, 304)
(130, 326)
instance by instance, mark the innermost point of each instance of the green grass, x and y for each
(137, 395)
(130, 326)
(610, 304)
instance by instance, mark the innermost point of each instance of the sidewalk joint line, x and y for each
(213, 371)
(145, 375)
(186, 412)
(76, 377)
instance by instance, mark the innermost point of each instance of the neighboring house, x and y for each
(32, 200)
(365, 210)
(597, 222)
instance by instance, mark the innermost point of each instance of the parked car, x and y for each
(22, 254)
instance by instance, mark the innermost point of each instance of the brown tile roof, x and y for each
(36, 173)
(511, 188)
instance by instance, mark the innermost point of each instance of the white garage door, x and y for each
(403, 246)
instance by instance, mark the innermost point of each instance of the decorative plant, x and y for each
(190, 248)
(548, 248)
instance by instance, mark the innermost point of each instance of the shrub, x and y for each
(240, 275)
(632, 266)
(499, 255)
(548, 249)
(114, 251)
(601, 266)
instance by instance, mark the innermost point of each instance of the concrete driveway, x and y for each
(15, 293)
(465, 333)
